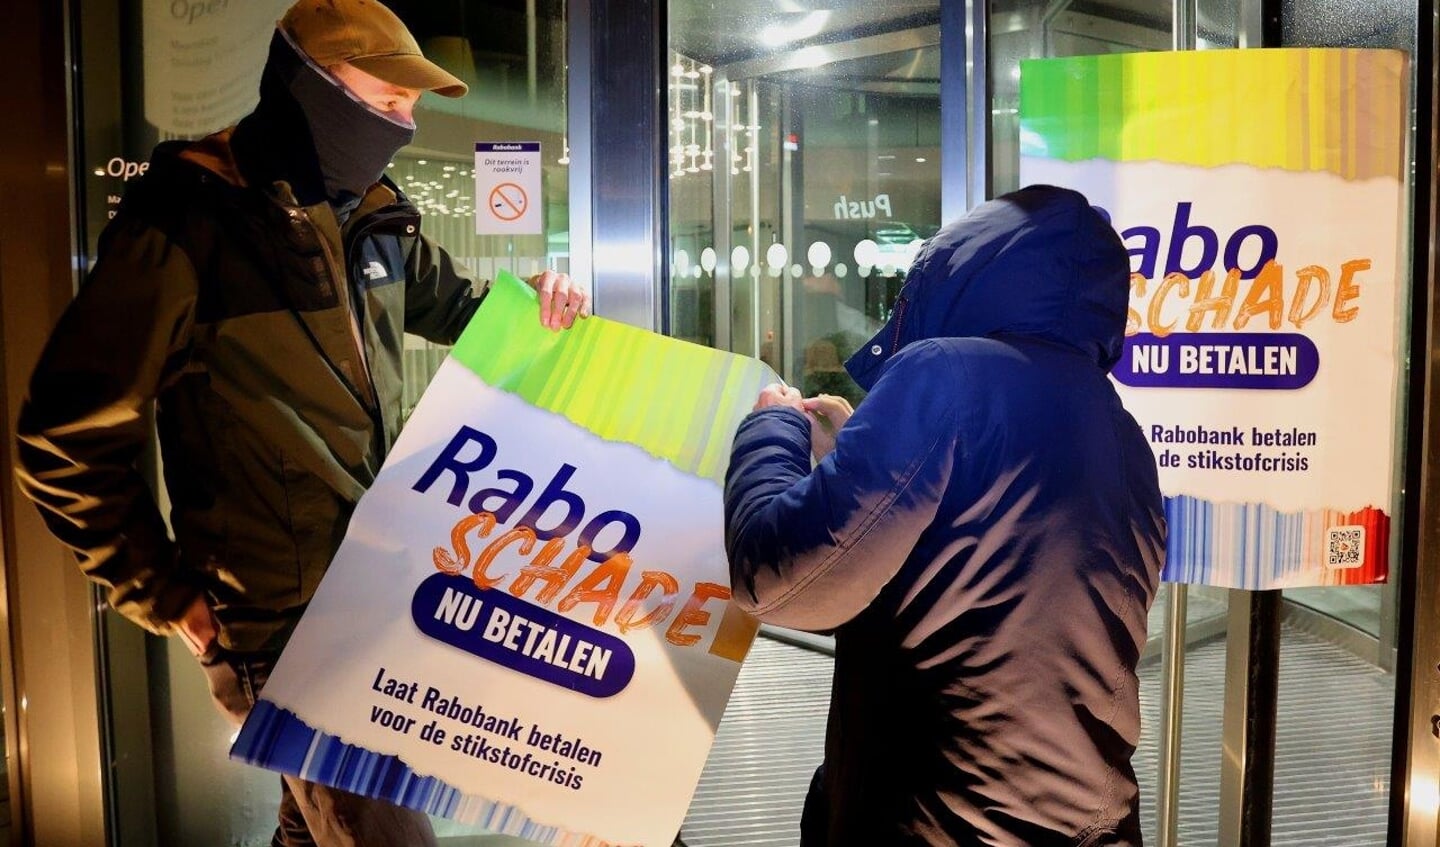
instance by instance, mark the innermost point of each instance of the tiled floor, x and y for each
(1358, 605)
(1332, 752)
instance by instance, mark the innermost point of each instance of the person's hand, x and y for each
(562, 299)
(776, 394)
(197, 628)
(827, 414)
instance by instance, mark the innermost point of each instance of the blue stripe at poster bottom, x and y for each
(276, 739)
(1256, 547)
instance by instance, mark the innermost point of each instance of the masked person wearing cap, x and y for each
(254, 289)
(984, 536)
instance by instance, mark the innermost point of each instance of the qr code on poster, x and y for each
(1345, 547)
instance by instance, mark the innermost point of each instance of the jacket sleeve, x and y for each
(440, 296)
(86, 421)
(812, 549)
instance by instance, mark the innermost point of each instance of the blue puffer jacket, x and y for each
(985, 541)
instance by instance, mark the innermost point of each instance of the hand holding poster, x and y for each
(527, 625)
(1259, 195)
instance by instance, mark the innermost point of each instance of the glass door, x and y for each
(804, 174)
(816, 188)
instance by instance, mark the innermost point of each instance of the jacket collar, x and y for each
(237, 165)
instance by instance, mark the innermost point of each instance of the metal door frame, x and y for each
(1415, 776)
(48, 644)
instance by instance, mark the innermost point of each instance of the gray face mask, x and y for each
(353, 143)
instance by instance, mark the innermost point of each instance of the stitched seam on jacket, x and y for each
(899, 323)
(1087, 837)
(1120, 674)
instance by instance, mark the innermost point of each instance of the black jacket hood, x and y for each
(1040, 262)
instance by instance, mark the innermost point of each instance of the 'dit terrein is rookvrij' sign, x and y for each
(1259, 194)
(528, 623)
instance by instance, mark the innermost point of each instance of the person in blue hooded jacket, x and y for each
(984, 539)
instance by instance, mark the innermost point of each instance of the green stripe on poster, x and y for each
(619, 382)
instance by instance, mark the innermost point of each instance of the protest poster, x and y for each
(1260, 196)
(527, 624)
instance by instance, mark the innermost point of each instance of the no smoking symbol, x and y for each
(508, 201)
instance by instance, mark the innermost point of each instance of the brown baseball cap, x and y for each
(369, 36)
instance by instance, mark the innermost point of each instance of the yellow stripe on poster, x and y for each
(1292, 108)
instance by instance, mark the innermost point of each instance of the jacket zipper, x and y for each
(340, 283)
(898, 318)
(362, 229)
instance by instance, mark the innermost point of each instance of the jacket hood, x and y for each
(1039, 262)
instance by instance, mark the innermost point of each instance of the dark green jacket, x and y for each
(224, 303)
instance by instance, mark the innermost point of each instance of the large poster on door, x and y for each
(528, 623)
(1260, 196)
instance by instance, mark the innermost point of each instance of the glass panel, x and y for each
(153, 70)
(694, 105)
(514, 63)
(804, 173)
(799, 194)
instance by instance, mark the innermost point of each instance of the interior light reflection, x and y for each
(777, 35)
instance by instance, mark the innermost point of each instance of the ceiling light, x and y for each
(809, 26)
